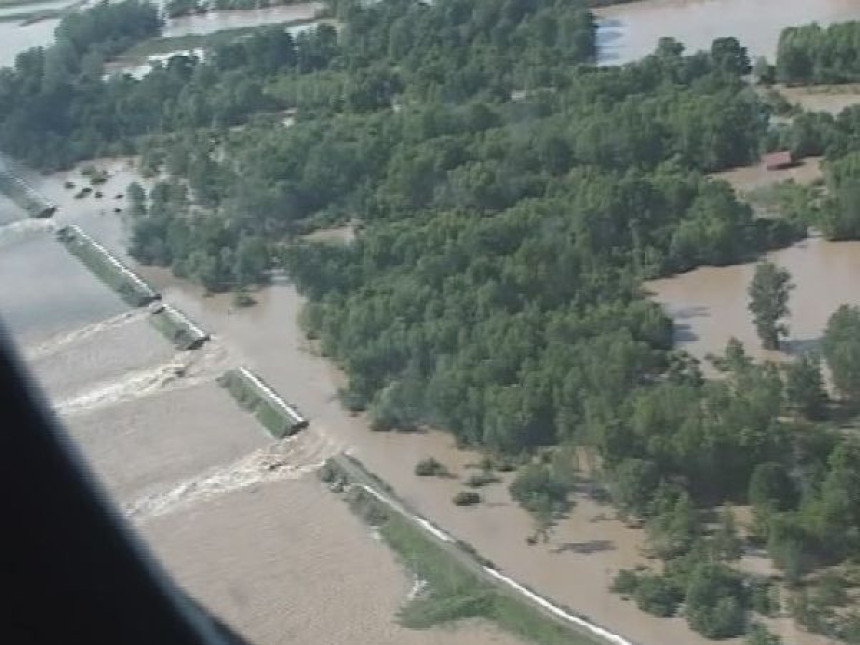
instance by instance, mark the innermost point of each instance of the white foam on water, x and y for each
(53, 345)
(186, 369)
(289, 458)
(20, 229)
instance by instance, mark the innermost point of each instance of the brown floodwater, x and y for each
(288, 563)
(236, 516)
(709, 305)
(630, 31)
(45, 291)
(823, 98)
(584, 551)
(748, 178)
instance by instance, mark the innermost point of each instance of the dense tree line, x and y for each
(815, 54)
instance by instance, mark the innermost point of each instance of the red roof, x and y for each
(778, 159)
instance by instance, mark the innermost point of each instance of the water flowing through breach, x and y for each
(18, 230)
(287, 459)
(57, 343)
(185, 369)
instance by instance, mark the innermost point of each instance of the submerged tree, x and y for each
(768, 292)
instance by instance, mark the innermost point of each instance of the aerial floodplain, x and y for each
(470, 321)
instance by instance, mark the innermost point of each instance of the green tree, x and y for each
(656, 595)
(539, 490)
(759, 635)
(726, 541)
(674, 524)
(769, 292)
(714, 603)
(728, 54)
(764, 72)
(772, 488)
(634, 484)
(804, 387)
(841, 348)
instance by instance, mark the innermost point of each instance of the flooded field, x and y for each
(45, 291)
(629, 31)
(823, 98)
(213, 21)
(709, 305)
(574, 567)
(314, 574)
(748, 178)
(238, 517)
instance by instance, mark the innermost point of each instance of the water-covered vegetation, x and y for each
(512, 199)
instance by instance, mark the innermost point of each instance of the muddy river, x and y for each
(575, 567)
(238, 518)
(629, 31)
(709, 305)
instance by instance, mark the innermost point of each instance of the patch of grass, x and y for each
(455, 593)
(268, 413)
(454, 590)
(176, 331)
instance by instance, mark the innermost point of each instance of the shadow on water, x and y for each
(608, 35)
(696, 311)
(585, 548)
(800, 346)
(683, 333)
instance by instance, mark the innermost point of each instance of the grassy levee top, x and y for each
(458, 584)
(106, 267)
(274, 414)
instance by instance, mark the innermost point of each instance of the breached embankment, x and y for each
(280, 418)
(131, 288)
(288, 459)
(184, 370)
(15, 231)
(172, 323)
